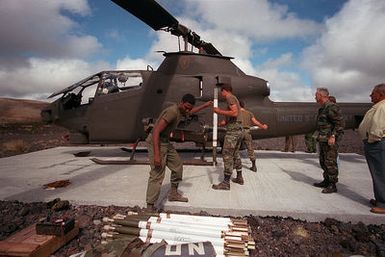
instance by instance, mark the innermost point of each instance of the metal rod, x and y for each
(215, 127)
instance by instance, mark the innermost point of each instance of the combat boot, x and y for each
(253, 166)
(239, 178)
(150, 207)
(324, 183)
(175, 196)
(224, 185)
(332, 188)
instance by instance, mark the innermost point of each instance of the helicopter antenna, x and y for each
(155, 16)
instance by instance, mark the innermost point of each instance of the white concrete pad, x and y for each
(281, 187)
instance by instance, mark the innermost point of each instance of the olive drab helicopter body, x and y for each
(118, 106)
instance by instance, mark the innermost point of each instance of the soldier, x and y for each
(162, 153)
(330, 125)
(332, 99)
(249, 120)
(232, 140)
(289, 144)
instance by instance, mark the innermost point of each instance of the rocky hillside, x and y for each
(20, 110)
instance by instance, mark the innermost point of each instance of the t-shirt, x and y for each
(232, 99)
(172, 116)
(246, 118)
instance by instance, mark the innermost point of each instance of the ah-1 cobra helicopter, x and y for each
(121, 100)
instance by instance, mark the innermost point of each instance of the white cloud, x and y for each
(40, 47)
(37, 28)
(44, 76)
(349, 58)
(128, 63)
(283, 60)
(284, 85)
(261, 20)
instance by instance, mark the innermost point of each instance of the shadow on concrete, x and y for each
(301, 155)
(342, 189)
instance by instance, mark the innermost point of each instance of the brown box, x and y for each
(27, 243)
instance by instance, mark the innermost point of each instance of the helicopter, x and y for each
(119, 106)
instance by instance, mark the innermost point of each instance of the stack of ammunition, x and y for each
(230, 237)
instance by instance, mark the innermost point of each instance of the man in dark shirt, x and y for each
(162, 153)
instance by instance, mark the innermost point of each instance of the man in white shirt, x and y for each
(372, 131)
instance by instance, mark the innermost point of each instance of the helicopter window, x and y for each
(88, 94)
(129, 80)
(111, 87)
(71, 100)
(108, 87)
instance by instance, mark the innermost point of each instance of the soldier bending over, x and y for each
(162, 153)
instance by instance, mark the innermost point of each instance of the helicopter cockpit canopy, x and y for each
(122, 80)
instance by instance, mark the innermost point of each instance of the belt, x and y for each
(366, 140)
(234, 125)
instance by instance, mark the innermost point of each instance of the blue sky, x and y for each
(296, 45)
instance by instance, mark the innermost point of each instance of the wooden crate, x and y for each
(27, 243)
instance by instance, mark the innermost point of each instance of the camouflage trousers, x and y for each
(170, 159)
(328, 160)
(230, 153)
(248, 140)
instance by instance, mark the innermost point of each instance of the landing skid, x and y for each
(193, 162)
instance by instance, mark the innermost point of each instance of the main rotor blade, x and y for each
(154, 15)
(210, 49)
(150, 12)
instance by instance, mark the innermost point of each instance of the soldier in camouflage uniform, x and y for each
(232, 140)
(249, 120)
(162, 153)
(330, 128)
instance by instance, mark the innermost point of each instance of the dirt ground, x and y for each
(274, 236)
